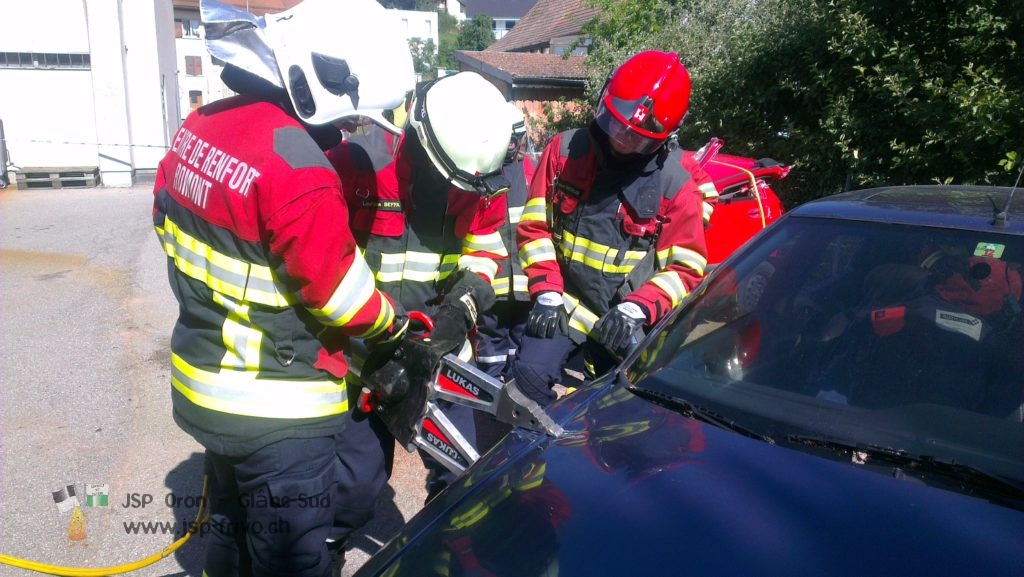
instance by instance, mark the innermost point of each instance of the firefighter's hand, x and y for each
(547, 316)
(620, 329)
(466, 295)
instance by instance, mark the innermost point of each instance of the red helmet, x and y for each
(644, 102)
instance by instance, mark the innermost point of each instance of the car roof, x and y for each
(953, 206)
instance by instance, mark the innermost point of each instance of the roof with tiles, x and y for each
(546, 20)
(498, 8)
(509, 66)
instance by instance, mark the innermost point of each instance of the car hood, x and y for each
(635, 489)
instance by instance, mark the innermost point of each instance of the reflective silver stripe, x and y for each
(581, 319)
(415, 266)
(479, 265)
(520, 285)
(515, 214)
(241, 339)
(708, 210)
(242, 393)
(691, 259)
(670, 283)
(536, 210)
(491, 243)
(536, 251)
(230, 276)
(492, 360)
(353, 292)
(500, 286)
(708, 190)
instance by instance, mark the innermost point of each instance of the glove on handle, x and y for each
(466, 296)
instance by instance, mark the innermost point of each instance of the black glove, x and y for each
(547, 316)
(464, 296)
(621, 328)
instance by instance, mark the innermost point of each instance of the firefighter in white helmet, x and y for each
(434, 242)
(268, 285)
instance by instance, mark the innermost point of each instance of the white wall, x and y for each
(120, 113)
(416, 24)
(113, 115)
(47, 114)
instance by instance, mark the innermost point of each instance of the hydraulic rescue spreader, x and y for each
(405, 393)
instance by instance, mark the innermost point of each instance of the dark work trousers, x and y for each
(273, 510)
(366, 451)
(498, 336)
(540, 364)
(257, 526)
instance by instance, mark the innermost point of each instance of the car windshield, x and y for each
(841, 333)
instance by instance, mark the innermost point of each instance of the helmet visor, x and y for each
(625, 139)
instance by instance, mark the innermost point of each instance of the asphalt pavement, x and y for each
(85, 394)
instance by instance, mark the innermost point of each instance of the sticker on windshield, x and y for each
(989, 249)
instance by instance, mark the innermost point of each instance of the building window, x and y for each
(193, 66)
(44, 60)
(185, 28)
(195, 99)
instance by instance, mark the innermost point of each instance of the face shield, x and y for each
(629, 139)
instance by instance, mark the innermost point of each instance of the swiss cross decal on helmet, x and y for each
(644, 102)
(462, 122)
(328, 69)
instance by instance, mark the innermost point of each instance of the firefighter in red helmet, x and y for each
(612, 235)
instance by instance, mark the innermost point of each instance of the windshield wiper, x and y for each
(955, 475)
(702, 414)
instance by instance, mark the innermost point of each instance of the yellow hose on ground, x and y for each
(117, 569)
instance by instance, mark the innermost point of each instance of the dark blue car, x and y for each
(843, 396)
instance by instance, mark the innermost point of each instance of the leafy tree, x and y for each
(424, 57)
(448, 38)
(476, 34)
(853, 93)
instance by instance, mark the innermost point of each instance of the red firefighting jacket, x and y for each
(416, 229)
(586, 227)
(246, 207)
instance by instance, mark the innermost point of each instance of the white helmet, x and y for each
(335, 58)
(462, 122)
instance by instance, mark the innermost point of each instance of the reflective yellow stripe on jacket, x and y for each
(599, 256)
(242, 393)
(415, 266)
(353, 292)
(581, 319)
(230, 276)
(520, 285)
(709, 195)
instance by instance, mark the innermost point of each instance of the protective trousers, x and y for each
(499, 333)
(540, 364)
(272, 511)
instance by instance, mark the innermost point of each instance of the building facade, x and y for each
(106, 85)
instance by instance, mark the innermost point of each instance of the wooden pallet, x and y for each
(65, 177)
